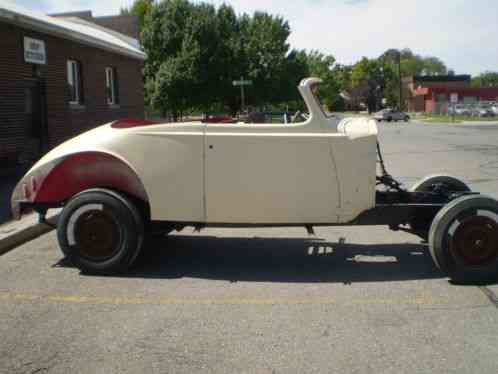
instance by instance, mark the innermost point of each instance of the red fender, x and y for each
(82, 171)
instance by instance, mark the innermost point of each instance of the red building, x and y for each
(432, 94)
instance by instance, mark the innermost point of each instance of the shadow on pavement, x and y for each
(281, 260)
(7, 184)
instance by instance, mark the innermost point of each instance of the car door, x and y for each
(269, 174)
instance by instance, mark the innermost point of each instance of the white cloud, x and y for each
(98, 7)
(461, 32)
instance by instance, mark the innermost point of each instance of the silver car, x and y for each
(494, 108)
(482, 110)
(460, 110)
(391, 115)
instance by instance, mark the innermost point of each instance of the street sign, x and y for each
(242, 83)
(454, 98)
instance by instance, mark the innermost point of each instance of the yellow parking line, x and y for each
(91, 300)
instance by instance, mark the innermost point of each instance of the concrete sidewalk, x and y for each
(15, 233)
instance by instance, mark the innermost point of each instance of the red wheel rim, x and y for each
(475, 241)
(97, 235)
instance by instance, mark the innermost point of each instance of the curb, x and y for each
(21, 236)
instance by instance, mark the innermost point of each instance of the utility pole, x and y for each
(242, 94)
(400, 83)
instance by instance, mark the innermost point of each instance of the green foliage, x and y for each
(195, 51)
(377, 78)
(263, 39)
(414, 64)
(486, 79)
(322, 66)
(139, 8)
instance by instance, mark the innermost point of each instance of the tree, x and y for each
(434, 66)
(322, 66)
(172, 56)
(413, 64)
(140, 8)
(195, 51)
(263, 39)
(376, 77)
(486, 79)
(295, 69)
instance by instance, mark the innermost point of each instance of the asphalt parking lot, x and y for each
(348, 300)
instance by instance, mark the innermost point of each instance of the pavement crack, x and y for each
(490, 295)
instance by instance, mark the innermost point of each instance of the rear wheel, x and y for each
(463, 239)
(101, 232)
(422, 223)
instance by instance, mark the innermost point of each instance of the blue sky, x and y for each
(463, 33)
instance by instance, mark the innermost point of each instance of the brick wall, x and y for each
(127, 25)
(64, 121)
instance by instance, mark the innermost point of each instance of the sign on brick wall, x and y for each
(34, 51)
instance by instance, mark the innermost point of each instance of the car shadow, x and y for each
(280, 260)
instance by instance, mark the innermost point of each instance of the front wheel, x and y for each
(463, 240)
(100, 232)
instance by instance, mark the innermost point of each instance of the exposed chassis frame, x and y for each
(393, 209)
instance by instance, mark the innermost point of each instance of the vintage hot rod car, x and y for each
(122, 180)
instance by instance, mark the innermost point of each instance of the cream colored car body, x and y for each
(316, 172)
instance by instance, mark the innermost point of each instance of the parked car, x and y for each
(494, 108)
(459, 110)
(128, 179)
(219, 119)
(482, 110)
(391, 115)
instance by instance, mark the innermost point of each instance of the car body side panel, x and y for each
(169, 159)
(280, 178)
(356, 165)
(356, 159)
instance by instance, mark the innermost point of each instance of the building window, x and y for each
(112, 86)
(74, 81)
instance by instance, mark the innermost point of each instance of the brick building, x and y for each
(60, 76)
(432, 94)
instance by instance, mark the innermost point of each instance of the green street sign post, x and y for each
(242, 83)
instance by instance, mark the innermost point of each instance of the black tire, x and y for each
(463, 240)
(407, 118)
(100, 232)
(422, 223)
(389, 119)
(427, 183)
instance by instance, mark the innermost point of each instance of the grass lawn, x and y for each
(435, 118)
